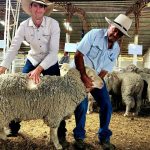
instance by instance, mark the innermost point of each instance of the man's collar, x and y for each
(31, 24)
(106, 33)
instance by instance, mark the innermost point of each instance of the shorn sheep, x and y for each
(127, 85)
(52, 99)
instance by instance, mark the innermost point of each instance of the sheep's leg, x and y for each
(3, 133)
(127, 110)
(129, 104)
(54, 138)
(88, 109)
(138, 105)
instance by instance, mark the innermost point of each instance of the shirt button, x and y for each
(39, 39)
(40, 46)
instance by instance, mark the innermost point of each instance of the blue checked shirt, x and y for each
(94, 46)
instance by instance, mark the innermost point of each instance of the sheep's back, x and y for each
(54, 93)
(131, 83)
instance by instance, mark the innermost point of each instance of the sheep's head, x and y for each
(111, 80)
(64, 69)
(131, 68)
(97, 81)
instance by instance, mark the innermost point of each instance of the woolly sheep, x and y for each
(97, 82)
(133, 68)
(145, 74)
(90, 103)
(52, 99)
(127, 85)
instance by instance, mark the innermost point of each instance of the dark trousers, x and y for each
(53, 70)
(101, 96)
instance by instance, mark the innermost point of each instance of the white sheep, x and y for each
(145, 74)
(129, 86)
(97, 82)
(53, 99)
(134, 68)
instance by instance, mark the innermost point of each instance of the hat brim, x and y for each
(26, 3)
(117, 26)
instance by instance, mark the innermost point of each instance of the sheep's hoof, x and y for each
(3, 137)
(126, 115)
(58, 147)
(135, 114)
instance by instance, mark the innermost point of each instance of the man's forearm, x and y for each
(79, 62)
(102, 73)
(39, 69)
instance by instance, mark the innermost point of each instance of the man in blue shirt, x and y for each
(99, 49)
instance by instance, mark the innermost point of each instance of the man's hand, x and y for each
(87, 82)
(35, 74)
(2, 69)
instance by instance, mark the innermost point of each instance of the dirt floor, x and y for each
(128, 134)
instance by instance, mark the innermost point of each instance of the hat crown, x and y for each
(123, 21)
(44, 2)
(26, 3)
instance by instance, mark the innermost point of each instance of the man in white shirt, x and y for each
(43, 34)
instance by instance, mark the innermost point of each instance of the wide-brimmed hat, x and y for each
(26, 3)
(122, 22)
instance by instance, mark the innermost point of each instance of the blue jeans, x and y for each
(53, 70)
(102, 98)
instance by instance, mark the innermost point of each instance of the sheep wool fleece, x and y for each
(53, 99)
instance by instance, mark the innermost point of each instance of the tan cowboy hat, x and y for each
(26, 4)
(122, 22)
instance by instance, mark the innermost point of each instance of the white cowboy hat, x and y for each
(122, 22)
(26, 3)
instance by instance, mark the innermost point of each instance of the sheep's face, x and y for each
(97, 81)
(131, 68)
(64, 69)
(111, 80)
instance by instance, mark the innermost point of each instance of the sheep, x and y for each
(127, 85)
(90, 103)
(54, 98)
(145, 74)
(98, 82)
(133, 68)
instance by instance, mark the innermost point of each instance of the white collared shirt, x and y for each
(44, 43)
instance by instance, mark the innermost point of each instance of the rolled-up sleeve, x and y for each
(50, 59)
(15, 46)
